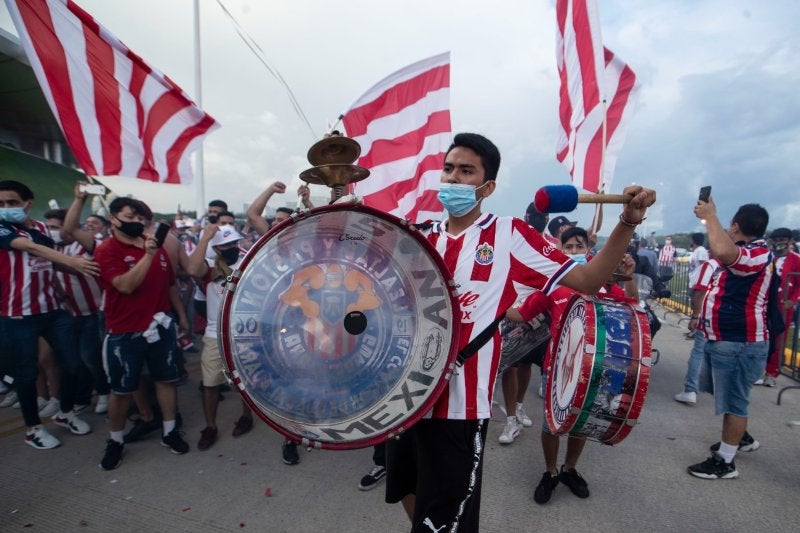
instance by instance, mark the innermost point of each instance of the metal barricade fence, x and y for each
(790, 359)
(680, 300)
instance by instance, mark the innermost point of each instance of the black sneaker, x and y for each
(545, 488)
(572, 479)
(714, 467)
(370, 481)
(113, 455)
(174, 441)
(141, 429)
(747, 444)
(290, 455)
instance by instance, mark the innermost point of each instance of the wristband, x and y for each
(626, 222)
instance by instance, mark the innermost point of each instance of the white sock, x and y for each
(727, 451)
(169, 425)
(118, 436)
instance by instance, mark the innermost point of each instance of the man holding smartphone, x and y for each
(137, 275)
(733, 319)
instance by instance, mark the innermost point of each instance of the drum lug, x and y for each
(229, 377)
(298, 214)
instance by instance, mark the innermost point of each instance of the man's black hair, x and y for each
(752, 220)
(103, 220)
(286, 210)
(780, 233)
(20, 188)
(486, 150)
(59, 214)
(536, 218)
(698, 238)
(226, 214)
(218, 203)
(574, 231)
(138, 207)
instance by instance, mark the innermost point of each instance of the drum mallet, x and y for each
(565, 198)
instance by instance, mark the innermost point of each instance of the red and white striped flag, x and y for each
(120, 116)
(598, 92)
(403, 127)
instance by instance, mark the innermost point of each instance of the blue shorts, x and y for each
(728, 372)
(125, 354)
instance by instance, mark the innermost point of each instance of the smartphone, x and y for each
(99, 190)
(705, 193)
(161, 233)
(52, 204)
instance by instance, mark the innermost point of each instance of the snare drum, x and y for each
(338, 327)
(600, 370)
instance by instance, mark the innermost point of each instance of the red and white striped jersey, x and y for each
(705, 275)
(83, 293)
(490, 261)
(735, 307)
(26, 280)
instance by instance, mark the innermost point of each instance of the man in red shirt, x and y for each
(787, 267)
(29, 309)
(137, 275)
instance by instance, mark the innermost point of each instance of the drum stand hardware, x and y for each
(333, 159)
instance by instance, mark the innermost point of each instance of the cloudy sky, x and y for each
(718, 104)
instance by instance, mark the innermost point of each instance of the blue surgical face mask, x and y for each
(13, 214)
(578, 258)
(458, 198)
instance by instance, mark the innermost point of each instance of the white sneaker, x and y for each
(770, 381)
(9, 400)
(759, 381)
(3, 387)
(49, 408)
(794, 423)
(510, 432)
(102, 404)
(72, 422)
(522, 417)
(686, 397)
(40, 439)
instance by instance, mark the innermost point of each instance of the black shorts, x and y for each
(441, 462)
(534, 357)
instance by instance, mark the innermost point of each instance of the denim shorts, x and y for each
(728, 372)
(125, 354)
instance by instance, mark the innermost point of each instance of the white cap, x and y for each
(225, 235)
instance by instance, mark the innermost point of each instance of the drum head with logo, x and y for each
(338, 329)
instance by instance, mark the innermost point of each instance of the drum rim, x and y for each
(395, 431)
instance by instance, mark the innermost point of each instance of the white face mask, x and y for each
(56, 236)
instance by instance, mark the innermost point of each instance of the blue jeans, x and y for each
(729, 370)
(23, 340)
(90, 345)
(691, 382)
(125, 354)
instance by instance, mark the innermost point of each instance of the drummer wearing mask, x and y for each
(211, 271)
(575, 244)
(435, 469)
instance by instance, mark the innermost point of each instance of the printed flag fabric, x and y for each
(595, 85)
(403, 126)
(120, 116)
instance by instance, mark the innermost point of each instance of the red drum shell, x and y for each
(338, 329)
(600, 372)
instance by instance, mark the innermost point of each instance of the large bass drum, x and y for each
(599, 370)
(338, 327)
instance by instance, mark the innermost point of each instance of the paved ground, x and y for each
(639, 485)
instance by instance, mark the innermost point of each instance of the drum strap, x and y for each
(477, 343)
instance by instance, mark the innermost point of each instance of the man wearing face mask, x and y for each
(29, 309)
(435, 469)
(787, 267)
(137, 275)
(223, 241)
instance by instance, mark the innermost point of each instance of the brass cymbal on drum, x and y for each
(334, 175)
(334, 150)
(333, 159)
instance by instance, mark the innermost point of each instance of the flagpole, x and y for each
(199, 179)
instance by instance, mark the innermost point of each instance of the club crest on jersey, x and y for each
(484, 254)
